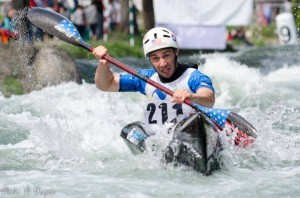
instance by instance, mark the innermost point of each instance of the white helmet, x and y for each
(158, 38)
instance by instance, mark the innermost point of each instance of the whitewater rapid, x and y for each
(66, 139)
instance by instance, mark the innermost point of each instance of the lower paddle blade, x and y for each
(55, 24)
(242, 125)
(245, 132)
(219, 116)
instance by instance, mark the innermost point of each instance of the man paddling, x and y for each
(161, 48)
(195, 139)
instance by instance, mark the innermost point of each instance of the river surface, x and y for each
(64, 141)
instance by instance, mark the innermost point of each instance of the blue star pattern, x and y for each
(218, 115)
(68, 29)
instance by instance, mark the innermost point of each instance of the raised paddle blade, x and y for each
(57, 25)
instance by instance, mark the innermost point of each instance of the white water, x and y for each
(64, 141)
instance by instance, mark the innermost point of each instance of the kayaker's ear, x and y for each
(176, 52)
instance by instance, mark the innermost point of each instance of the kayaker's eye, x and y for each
(154, 59)
(166, 56)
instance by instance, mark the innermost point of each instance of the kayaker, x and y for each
(161, 48)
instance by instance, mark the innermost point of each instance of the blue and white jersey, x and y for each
(160, 110)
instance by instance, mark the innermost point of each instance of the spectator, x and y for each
(8, 23)
(100, 8)
(63, 10)
(91, 14)
(79, 20)
(49, 4)
(8, 27)
(261, 20)
(113, 9)
(267, 10)
(66, 7)
(32, 4)
(35, 33)
(53, 4)
(36, 3)
(240, 34)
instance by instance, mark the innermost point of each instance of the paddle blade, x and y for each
(245, 132)
(219, 116)
(243, 125)
(55, 24)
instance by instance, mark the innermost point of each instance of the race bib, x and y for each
(159, 113)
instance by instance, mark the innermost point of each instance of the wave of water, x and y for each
(65, 140)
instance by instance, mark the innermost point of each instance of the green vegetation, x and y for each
(1, 16)
(10, 85)
(117, 44)
(261, 36)
(264, 35)
(296, 11)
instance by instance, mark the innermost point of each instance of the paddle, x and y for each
(61, 27)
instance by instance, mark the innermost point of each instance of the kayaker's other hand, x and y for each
(99, 52)
(180, 95)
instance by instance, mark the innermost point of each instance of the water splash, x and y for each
(74, 128)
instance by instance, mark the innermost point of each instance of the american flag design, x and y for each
(217, 115)
(173, 37)
(156, 42)
(68, 29)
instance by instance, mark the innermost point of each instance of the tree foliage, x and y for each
(296, 11)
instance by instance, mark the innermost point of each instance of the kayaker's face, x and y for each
(164, 61)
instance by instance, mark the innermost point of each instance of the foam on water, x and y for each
(70, 133)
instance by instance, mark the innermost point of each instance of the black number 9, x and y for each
(285, 33)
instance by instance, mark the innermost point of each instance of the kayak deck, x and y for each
(195, 142)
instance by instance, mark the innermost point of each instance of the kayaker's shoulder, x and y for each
(147, 72)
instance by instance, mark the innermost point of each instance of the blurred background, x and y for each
(60, 136)
(249, 22)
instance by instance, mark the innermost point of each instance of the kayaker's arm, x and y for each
(204, 96)
(104, 78)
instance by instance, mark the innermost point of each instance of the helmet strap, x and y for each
(175, 55)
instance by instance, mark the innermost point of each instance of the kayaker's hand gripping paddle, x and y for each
(59, 26)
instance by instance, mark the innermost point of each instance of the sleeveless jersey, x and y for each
(160, 110)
